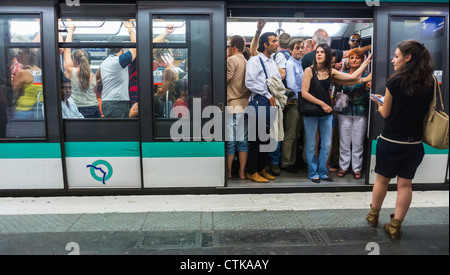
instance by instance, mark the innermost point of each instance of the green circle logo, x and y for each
(106, 175)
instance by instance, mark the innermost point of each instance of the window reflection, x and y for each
(169, 66)
(21, 85)
(181, 70)
(427, 30)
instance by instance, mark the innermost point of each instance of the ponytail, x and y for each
(84, 72)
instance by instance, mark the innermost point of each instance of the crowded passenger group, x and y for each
(322, 112)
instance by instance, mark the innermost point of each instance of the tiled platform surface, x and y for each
(281, 224)
(210, 221)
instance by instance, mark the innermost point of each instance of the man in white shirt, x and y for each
(68, 107)
(114, 74)
(256, 82)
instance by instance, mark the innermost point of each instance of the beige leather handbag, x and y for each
(435, 126)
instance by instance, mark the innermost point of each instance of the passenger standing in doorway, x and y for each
(256, 82)
(315, 84)
(237, 101)
(308, 46)
(354, 42)
(292, 120)
(353, 120)
(399, 151)
(115, 78)
(280, 57)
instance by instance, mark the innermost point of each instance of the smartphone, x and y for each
(377, 99)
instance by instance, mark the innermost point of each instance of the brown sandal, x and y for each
(341, 173)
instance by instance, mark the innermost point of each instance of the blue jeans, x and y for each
(275, 155)
(317, 168)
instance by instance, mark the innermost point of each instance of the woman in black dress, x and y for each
(399, 151)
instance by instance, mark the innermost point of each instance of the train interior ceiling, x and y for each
(340, 30)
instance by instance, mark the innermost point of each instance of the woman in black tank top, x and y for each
(315, 85)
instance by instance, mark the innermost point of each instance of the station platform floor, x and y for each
(257, 224)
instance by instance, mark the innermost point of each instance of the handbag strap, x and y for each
(264, 67)
(436, 83)
(265, 72)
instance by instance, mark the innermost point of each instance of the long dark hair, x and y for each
(327, 63)
(417, 73)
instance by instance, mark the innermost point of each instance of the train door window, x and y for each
(22, 109)
(87, 46)
(181, 70)
(427, 30)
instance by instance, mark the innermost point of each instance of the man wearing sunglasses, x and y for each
(354, 41)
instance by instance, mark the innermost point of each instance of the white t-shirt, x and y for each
(114, 72)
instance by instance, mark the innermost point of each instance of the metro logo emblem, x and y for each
(105, 169)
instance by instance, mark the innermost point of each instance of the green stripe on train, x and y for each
(182, 149)
(30, 150)
(149, 149)
(428, 149)
(102, 149)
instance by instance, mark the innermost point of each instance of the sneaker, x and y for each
(290, 169)
(266, 175)
(275, 169)
(256, 177)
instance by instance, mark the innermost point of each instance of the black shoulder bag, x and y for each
(308, 108)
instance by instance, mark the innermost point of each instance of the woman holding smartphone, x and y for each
(399, 151)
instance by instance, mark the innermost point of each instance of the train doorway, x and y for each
(341, 31)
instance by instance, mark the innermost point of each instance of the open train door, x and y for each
(182, 93)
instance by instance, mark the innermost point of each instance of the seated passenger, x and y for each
(180, 107)
(69, 108)
(83, 80)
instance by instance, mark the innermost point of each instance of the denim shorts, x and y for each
(233, 142)
(393, 159)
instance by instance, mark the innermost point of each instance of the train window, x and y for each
(99, 60)
(181, 70)
(428, 30)
(162, 28)
(95, 30)
(21, 89)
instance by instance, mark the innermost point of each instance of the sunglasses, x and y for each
(354, 40)
(228, 46)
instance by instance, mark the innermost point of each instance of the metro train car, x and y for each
(156, 151)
